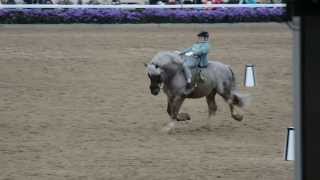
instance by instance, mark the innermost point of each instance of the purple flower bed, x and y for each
(112, 16)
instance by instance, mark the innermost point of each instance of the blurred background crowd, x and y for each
(139, 1)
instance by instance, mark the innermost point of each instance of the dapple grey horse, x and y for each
(166, 68)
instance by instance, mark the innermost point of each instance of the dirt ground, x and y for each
(75, 104)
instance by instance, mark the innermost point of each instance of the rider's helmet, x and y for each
(204, 35)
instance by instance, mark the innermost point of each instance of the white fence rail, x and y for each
(133, 6)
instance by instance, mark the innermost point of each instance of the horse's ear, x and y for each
(145, 64)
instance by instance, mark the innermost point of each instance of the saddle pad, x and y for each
(199, 76)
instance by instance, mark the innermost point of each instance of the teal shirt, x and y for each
(247, 2)
(200, 50)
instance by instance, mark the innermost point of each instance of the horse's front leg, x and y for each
(173, 109)
(174, 105)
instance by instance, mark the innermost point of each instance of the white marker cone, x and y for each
(250, 76)
(289, 149)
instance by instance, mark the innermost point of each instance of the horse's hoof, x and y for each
(238, 117)
(168, 128)
(183, 117)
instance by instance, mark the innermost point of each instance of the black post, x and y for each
(307, 87)
(310, 96)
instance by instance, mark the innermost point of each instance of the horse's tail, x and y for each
(238, 99)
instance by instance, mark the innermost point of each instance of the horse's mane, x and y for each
(166, 57)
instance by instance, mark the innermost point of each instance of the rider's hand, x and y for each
(189, 53)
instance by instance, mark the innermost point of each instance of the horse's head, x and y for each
(161, 69)
(154, 74)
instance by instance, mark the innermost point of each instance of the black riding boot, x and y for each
(189, 89)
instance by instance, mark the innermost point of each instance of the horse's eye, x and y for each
(156, 66)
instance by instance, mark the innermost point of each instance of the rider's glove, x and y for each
(189, 53)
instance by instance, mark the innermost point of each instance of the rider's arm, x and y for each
(204, 49)
(185, 51)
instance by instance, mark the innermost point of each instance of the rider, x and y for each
(200, 52)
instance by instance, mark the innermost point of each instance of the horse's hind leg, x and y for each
(169, 108)
(233, 102)
(212, 107)
(235, 115)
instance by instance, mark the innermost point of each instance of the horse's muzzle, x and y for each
(155, 84)
(154, 90)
